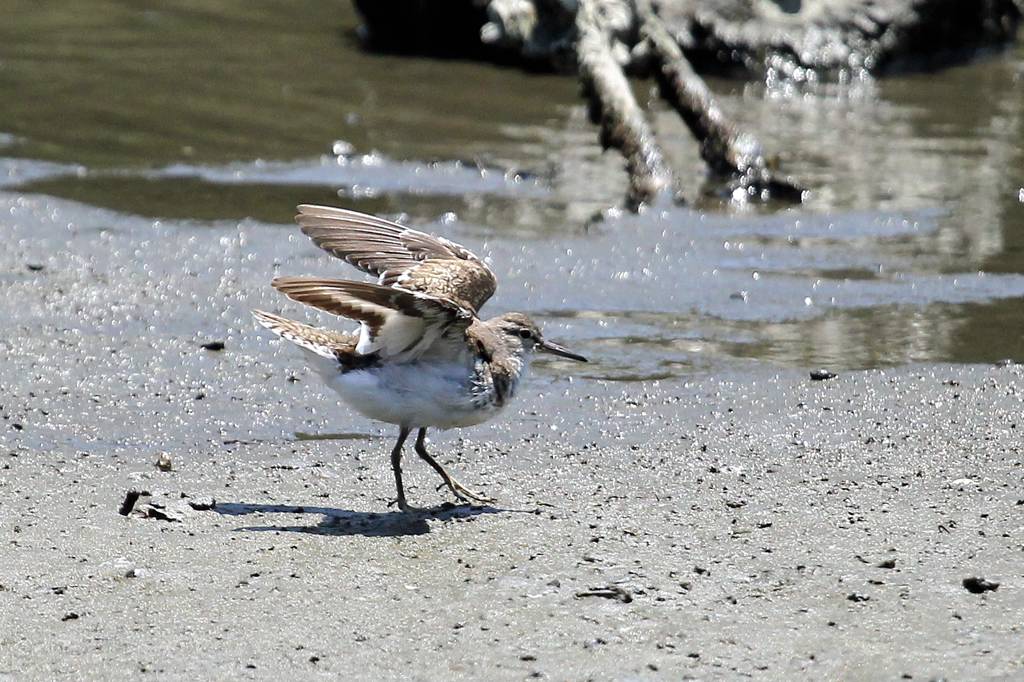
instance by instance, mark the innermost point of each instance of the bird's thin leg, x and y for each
(460, 491)
(396, 466)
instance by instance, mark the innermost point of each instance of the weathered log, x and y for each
(735, 155)
(802, 41)
(795, 40)
(810, 41)
(615, 109)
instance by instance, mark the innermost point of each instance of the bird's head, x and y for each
(521, 333)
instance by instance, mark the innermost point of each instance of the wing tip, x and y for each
(284, 283)
(269, 321)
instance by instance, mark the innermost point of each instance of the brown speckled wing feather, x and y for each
(400, 256)
(324, 342)
(397, 323)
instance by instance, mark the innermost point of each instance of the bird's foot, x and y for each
(463, 493)
(404, 506)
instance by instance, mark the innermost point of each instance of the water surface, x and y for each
(209, 113)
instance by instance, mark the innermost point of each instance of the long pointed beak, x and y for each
(555, 349)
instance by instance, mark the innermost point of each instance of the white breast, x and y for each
(415, 394)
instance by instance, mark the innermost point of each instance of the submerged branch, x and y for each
(615, 109)
(729, 152)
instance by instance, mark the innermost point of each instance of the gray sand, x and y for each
(733, 524)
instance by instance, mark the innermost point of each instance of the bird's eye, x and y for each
(525, 333)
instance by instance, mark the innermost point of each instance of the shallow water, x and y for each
(910, 248)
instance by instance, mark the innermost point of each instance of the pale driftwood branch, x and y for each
(729, 152)
(615, 109)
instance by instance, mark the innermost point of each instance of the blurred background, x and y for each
(909, 248)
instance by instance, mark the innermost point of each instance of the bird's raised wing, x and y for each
(400, 256)
(396, 323)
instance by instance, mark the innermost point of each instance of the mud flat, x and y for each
(742, 521)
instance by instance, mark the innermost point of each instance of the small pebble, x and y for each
(976, 585)
(822, 374)
(214, 345)
(205, 503)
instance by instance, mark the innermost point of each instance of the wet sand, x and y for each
(745, 522)
(690, 504)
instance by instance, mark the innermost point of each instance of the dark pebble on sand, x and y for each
(857, 597)
(70, 615)
(888, 563)
(610, 592)
(976, 585)
(214, 345)
(35, 267)
(202, 503)
(822, 375)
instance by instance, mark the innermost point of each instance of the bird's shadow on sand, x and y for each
(339, 522)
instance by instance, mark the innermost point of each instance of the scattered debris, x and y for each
(822, 375)
(130, 498)
(163, 506)
(238, 441)
(610, 592)
(157, 510)
(202, 503)
(976, 585)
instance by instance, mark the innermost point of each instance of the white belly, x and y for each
(414, 395)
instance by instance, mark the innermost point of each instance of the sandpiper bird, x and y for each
(421, 357)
